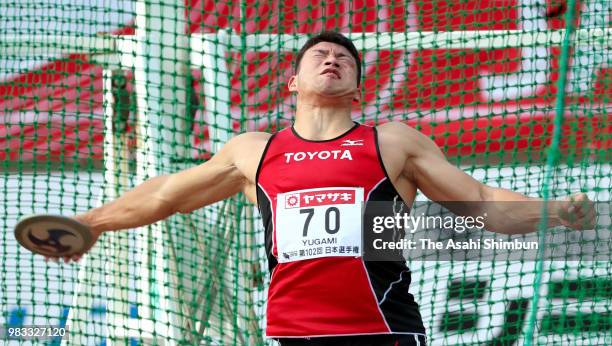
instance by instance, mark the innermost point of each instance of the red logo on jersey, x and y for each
(292, 201)
(326, 197)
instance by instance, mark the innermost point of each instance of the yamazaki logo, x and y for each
(319, 197)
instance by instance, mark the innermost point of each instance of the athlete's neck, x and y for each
(322, 123)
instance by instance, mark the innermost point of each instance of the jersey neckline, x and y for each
(356, 125)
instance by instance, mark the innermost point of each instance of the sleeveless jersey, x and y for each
(310, 195)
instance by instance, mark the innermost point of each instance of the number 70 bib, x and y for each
(313, 223)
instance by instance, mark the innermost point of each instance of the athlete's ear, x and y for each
(292, 84)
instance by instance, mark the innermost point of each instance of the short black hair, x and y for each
(333, 37)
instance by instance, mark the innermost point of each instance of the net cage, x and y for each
(97, 96)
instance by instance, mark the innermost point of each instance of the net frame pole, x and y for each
(160, 69)
(99, 45)
(552, 161)
(467, 39)
(211, 55)
(113, 245)
(248, 266)
(117, 243)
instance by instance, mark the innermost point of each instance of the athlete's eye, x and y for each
(319, 54)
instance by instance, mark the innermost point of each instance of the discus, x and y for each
(53, 235)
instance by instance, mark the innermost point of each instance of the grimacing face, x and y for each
(327, 69)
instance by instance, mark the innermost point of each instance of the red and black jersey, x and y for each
(310, 195)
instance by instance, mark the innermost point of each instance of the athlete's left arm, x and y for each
(441, 181)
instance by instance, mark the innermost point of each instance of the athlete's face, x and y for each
(327, 69)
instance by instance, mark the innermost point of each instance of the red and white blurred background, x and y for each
(470, 101)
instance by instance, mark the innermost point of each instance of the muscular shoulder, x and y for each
(246, 144)
(250, 138)
(398, 135)
(245, 151)
(402, 148)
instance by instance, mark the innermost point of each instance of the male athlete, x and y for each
(332, 298)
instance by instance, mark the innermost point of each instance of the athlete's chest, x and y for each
(292, 164)
(323, 163)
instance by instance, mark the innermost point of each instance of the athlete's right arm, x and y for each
(181, 192)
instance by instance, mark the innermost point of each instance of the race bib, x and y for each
(313, 223)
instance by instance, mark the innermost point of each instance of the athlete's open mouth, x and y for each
(332, 71)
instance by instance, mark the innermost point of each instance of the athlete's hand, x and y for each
(577, 211)
(75, 258)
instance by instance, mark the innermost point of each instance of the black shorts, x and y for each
(358, 340)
